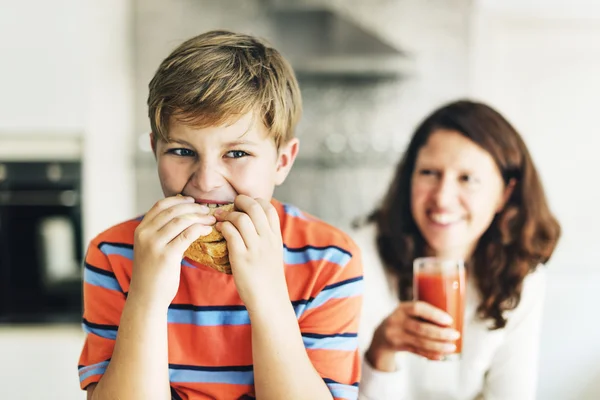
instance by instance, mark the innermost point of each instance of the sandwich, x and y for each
(211, 249)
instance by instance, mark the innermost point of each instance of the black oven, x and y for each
(40, 242)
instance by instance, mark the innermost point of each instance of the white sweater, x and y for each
(495, 365)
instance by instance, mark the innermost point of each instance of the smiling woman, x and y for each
(457, 189)
(465, 189)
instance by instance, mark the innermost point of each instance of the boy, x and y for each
(223, 108)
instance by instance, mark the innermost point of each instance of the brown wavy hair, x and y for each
(520, 237)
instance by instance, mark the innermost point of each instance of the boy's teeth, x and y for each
(211, 205)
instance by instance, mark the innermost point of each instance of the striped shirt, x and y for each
(210, 352)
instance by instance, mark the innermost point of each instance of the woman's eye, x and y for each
(182, 152)
(468, 178)
(236, 154)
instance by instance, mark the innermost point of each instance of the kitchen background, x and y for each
(73, 79)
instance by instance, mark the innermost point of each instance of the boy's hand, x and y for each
(160, 240)
(255, 247)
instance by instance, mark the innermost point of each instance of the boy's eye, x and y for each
(182, 152)
(236, 154)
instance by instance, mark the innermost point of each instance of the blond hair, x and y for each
(216, 77)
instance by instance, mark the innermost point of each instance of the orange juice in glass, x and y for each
(442, 283)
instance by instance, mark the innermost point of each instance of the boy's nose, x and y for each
(207, 177)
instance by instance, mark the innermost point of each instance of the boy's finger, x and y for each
(186, 237)
(271, 214)
(165, 203)
(235, 242)
(184, 210)
(243, 225)
(177, 225)
(256, 213)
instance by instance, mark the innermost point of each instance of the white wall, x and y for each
(42, 71)
(65, 72)
(109, 175)
(541, 70)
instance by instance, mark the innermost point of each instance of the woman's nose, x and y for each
(446, 192)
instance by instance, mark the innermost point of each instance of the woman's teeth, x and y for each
(444, 218)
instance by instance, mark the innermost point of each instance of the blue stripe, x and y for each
(342, 283)
(300, 307)
(301, 256)
(106, 281)
(214, 316)
(342, 391)
(91, 370)
(185, 263)
(111, 249)
(299, 310)
(127, 252)
(100, 330)
(291, 256)
(343, 342)
(354, 287)
(196, 375)
(208, 317)
(293, 211)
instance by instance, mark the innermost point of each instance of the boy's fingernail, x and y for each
(446, 319)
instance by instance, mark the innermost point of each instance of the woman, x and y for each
(466, 188)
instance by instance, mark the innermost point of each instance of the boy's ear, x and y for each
(286, 155)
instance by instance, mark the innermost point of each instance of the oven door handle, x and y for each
(63, 198)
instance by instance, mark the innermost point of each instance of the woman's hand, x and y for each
(160, 240)
(417, 327)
